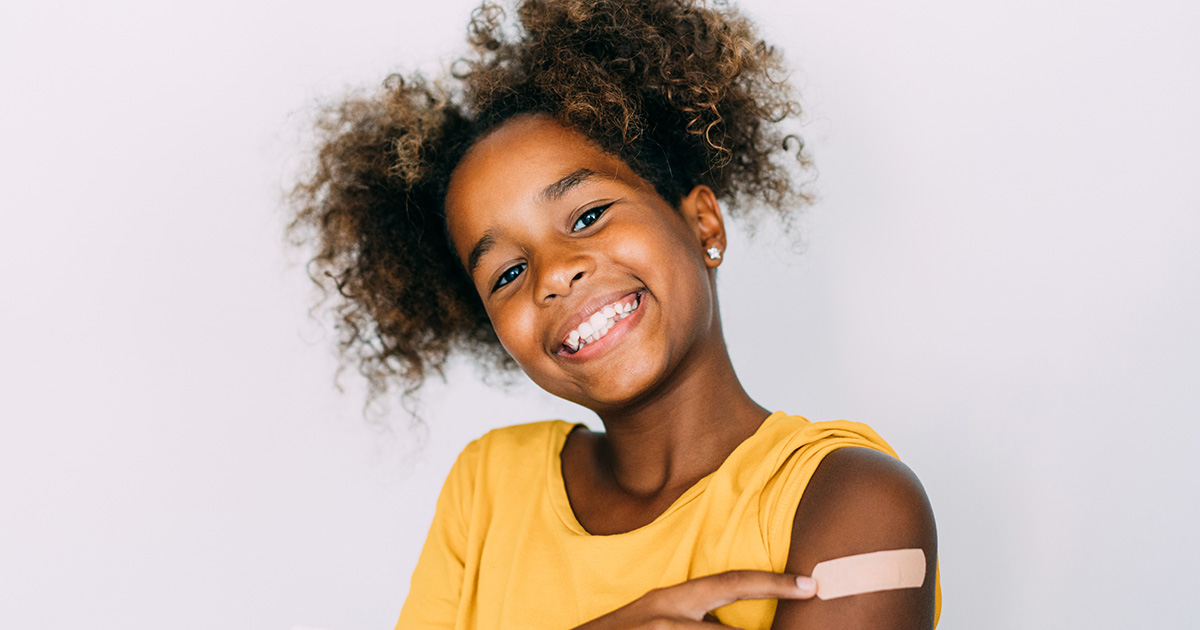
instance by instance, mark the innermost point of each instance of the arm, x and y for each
(860, 500)
(436, 587)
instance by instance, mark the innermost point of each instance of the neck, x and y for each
(684, 430)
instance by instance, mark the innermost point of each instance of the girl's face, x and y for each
(595, 285)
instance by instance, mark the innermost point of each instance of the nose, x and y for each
(560, 272)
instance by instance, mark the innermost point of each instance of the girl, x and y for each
(561, 208)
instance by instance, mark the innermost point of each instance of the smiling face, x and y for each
(596, 285)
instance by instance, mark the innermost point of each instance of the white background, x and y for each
(1001, 278)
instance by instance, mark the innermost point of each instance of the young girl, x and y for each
(561, 207)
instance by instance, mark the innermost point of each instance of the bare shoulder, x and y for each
(863, 491)
(860, 500)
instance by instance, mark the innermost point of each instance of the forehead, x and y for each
(509, 168)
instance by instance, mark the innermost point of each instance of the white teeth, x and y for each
(598, 325)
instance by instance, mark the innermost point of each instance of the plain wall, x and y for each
(1000, 277)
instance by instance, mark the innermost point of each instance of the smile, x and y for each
(599, 323)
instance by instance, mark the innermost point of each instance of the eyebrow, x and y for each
(482, 246)
(553, 192)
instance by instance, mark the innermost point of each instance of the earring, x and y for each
(714, 253)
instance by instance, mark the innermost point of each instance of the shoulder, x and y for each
(837, 461)
(782, 458)
(531, 435)
(502, 457)
(512, 450)
(860, 495)
(797, 437)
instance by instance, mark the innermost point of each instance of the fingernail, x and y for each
(806, 584)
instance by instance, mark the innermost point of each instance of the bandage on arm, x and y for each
(870, 572)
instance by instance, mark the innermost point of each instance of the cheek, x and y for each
(517, 330)
(683, 279)
(655, 239)
(666, 248)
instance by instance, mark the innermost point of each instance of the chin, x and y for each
(626, 389)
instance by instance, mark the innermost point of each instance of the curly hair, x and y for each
(684, 94)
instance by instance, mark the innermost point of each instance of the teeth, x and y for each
(598, 325)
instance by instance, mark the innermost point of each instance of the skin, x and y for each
(550, 228)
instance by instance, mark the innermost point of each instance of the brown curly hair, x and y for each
(685, 94)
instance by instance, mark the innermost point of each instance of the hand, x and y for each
(686, 605)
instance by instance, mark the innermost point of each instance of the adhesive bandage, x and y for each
(870, 572)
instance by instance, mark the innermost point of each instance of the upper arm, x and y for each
(436, 585)
(858, 501)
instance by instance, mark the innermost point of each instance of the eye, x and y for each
(509, 275)
(589, 217)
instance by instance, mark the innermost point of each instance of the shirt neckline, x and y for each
(557, 489)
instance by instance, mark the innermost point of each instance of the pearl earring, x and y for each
(714, 253)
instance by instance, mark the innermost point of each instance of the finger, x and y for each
(712, 620)
(713, 591)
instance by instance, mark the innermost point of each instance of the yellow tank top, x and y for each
(505, 550)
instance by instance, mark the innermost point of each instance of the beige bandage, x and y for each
(870, 572)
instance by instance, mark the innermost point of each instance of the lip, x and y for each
(585, 311)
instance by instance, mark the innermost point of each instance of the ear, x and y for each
(703, 213)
